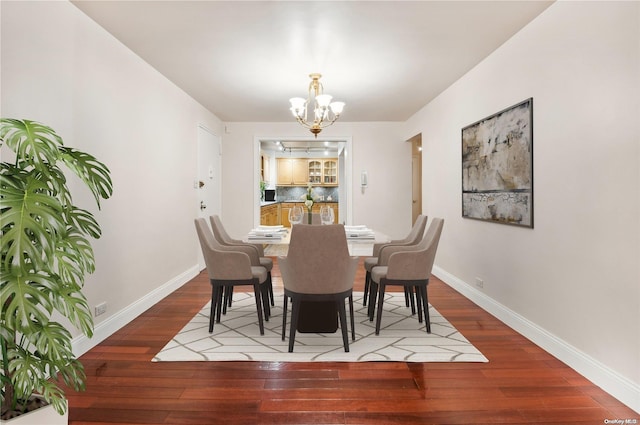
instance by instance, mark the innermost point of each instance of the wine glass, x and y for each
(295, 215)
(326, 214)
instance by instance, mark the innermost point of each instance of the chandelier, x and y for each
(325, 112)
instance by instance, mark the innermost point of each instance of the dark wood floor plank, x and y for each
(299, 393)
(521, 384)
(389, 383)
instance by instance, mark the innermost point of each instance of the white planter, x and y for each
(43, 416)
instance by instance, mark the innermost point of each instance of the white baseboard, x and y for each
(105, 329)
(612, 382)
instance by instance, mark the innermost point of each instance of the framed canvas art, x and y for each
(497, 167)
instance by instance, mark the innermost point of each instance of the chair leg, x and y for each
(418, 302)
(295, 312)
(367, 283)
(264, 293)
(257, 293)
(214, 304)
(373, 293)
(343, 325)
(219, 302)
(353, 322)
(380, 304)
(270, 283)
(284, 315)
(409, 299)
(425, 299)
(227, 296)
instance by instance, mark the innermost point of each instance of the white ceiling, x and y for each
(243, 60)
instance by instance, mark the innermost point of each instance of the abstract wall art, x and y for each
(497, 167)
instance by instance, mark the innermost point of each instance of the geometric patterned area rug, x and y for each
(237, 337)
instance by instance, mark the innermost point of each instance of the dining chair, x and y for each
(318, 267)
(231, 266)
(412, 238)
(223, 237)
(408, 266)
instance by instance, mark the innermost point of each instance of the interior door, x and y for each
(209, 177)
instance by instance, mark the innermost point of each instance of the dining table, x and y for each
(319, 316)
(360, 239)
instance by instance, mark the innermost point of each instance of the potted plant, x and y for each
(45, 254)
(263, 187)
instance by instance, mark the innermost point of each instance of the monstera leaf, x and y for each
(30, 217)
(34, 143)
(91, 171)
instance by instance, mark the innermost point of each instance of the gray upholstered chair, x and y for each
(414, 236)
(223, 237)
(318, 267)
(231, 266)
(408, 266)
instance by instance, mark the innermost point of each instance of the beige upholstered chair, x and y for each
(414, 236)
(318, 267)
(409, 266)
(231, 266)
(223, 237)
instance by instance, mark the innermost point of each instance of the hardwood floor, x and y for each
(521, 384)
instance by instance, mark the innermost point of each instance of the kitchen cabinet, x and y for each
(265, 169)
(301, 171)
(270, 215)
(293, 171)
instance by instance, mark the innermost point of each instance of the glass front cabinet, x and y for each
(315, 171)
(330, 172)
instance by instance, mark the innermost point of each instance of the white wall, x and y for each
(377, 147)
(62, 69)
(574, 278)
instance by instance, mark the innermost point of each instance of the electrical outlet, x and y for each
(479, 282)
(100, 309)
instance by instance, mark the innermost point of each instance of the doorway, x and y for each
(416, 176)
(299, 148)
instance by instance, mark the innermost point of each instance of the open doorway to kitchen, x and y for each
(416, 176)
(285, 166)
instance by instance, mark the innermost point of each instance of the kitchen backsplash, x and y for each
(320, 193)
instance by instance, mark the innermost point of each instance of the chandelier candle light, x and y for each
(325, 112)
